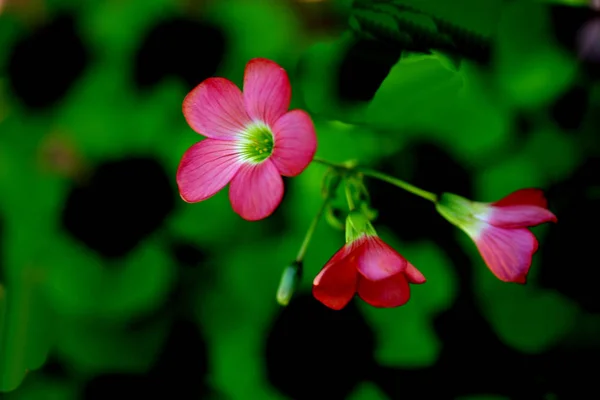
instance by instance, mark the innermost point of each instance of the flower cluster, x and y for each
(252, 140)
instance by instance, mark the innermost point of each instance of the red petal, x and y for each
(335, 285)
(519, 216)
(507, 252)
(414, 275)
(530, 197)
(377, 260)
(390, 292)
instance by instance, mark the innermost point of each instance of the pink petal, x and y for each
(335, 285)
(215, 108)
(295, 142)
(507, 252)
(256, 190)
(393, 291)
(519, 216)
(206, 168)
(414, 275)
(376, 260)
(523, 197)
(267, 90)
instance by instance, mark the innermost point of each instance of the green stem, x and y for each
(313, 226)
(351, 205)
(399, 183)
(382, 177)
(331, 164)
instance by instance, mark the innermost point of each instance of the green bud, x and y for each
(290, 279)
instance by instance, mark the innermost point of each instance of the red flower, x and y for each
(367, 266)
(500, 229)
(252, 140)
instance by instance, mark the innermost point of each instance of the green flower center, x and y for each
(257, 143)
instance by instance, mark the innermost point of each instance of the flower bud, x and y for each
(290, 279)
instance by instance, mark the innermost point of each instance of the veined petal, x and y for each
(335, 285)
(295, 142)
(215, 108)
(256, 190)
(393, 291)
(267, 90)
(507, 252)
(414, 275)
(376, 260)
(206, 168)
(519, 216)
(523, 197)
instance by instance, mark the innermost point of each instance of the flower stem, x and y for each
(331, 164)
(351, 205)
(399, 183)
(381, 176)
(313, 225)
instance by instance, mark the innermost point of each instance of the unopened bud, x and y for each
(290, 279)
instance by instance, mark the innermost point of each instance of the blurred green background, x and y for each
(111, 285)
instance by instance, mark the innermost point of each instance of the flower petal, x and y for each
(335, 285)
(256, 190)
(523, 197)
(215, 108)
(267, 90)
(206, 168)
(393, 291)
(507, 252)
(519, 216)
(295, 142)
(377, 260)
(414, 275)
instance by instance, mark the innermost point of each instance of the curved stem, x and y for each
(331, 164)
(382, 177)
(399, 183)
(313, 226)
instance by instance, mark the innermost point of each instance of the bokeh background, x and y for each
(111, 285)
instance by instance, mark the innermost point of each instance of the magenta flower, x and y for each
(368, 266)
(252, 140)
(499, 229)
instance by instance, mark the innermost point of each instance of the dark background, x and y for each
(111, 285)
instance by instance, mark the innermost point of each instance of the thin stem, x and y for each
(329, 163)
(399, 183)
(349, 198)
(381, 176)
(313, 226)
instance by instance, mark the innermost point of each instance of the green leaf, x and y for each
(79, 283)
(531, 69)
(25, 327)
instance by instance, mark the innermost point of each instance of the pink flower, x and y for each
(252, 139)
(500, 229)
(368, 266)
